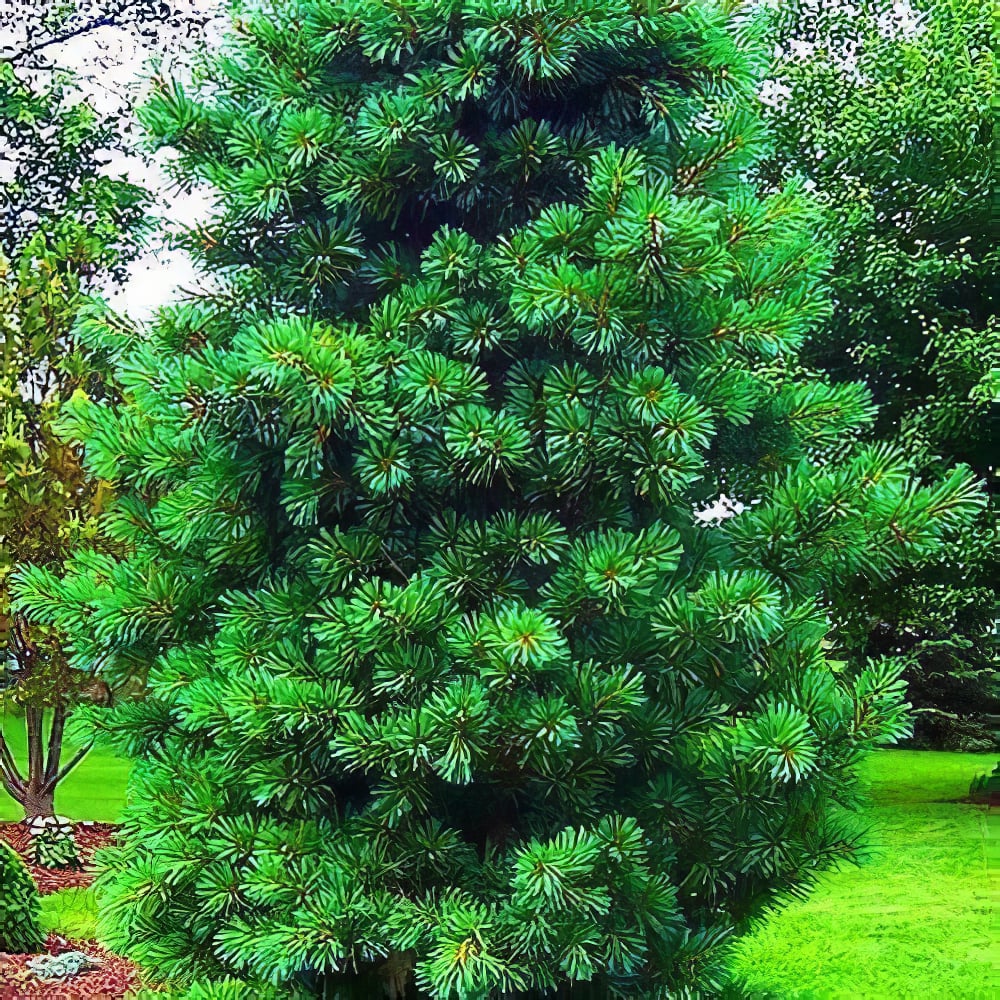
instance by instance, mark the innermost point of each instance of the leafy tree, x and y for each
(62, 232)
(37, 31)
(886, 111)
(448, 685)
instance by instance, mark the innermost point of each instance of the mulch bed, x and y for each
(89, 837)
(116, 977)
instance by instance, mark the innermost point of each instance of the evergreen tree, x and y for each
(885, 109)
(64, 227)
(19, 905)
(448, 684)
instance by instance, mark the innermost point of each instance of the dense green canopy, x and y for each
(448, 680)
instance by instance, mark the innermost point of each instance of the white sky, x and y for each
(112, 64)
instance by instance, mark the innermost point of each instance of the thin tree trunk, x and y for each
(37, 801)
(55, 742)
(10, 773)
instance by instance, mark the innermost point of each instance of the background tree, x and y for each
(65, 227)
(448, 685)
(885, 109)
(39, 34)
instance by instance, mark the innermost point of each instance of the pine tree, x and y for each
(449, 687)
(885, 109)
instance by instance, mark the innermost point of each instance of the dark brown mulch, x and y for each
(112, 981)
(89, 837)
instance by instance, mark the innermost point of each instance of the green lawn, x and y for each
(94, 790)
(917, 921)
(70, 912)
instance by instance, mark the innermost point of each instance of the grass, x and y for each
(93, 790)
(71, 913)
(915, 922)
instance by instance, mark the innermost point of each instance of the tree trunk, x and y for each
(38, 799)
(36, 793)
(55, 745)
(38, 802)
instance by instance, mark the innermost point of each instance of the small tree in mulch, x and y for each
(19, 906)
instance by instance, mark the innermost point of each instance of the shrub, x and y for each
(55, 849)
(71, 913)
(19, 905)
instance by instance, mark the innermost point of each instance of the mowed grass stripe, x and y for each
(917, 921)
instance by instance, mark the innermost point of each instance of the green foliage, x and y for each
(885, 111)
(54, 849)
(48, 504)
(892, 124)
(63, 230)
(88, 218)
(71, 913)
(19, 906)
(448, 686)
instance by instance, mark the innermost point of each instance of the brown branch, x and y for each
(50, 785)
(24, 649)
(394, 564)
(16, 792)
(116, 17)
(35, 719)
(104, 21)
(55, 742)
(687, 177)
(9, 770)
